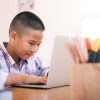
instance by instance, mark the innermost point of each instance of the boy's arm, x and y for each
(15, 78)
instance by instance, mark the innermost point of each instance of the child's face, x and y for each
(28, 44)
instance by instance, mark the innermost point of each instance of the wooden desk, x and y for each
(61, 93)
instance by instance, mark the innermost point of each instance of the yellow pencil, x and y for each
(96, 45)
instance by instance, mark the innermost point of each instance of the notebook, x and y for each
(61, 60)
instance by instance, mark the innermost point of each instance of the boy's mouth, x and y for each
(30, 54)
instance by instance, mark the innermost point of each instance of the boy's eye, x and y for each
(31, 43)
(38, 44)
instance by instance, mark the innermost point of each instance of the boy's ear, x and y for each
(13, 35)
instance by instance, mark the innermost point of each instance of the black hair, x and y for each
(24, 20)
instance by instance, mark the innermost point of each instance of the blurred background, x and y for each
(61, 17)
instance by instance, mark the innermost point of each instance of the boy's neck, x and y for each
(13, 54)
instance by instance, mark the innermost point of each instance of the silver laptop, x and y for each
(61, 60)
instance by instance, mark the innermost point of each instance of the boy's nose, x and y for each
(34, 49)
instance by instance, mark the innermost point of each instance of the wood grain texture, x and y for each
(85, 82)
(60, 93)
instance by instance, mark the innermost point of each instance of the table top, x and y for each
(59, 93)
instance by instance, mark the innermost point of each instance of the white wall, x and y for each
(59, 17)
(7, 10)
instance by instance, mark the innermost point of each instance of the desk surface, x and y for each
(60, 93)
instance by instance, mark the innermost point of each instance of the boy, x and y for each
(17, 60)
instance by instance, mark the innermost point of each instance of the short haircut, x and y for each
(24, 20)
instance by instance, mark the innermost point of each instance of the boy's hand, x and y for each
(42, 80)
(35, 79)
(17, 78)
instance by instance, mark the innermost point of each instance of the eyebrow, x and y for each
(34, 41)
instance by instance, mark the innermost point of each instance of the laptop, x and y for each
(61, 60)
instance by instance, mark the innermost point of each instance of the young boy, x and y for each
(17, 60)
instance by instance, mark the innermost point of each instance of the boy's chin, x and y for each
(26, 57)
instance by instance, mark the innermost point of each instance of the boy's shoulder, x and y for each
(3, 46)
(0, 48)
(1, 54)
(0, 43)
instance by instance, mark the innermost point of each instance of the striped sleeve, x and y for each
(3, 76)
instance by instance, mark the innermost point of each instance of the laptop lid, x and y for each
(61, 60)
